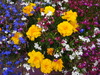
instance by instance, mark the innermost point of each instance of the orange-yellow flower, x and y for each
(50, 51)
(75, 25)
(69, 15)
(49, 10)
(27, 10)
(57, 64)
(35, 59)
(33, 32)
(16, 37)
(41, 9)
(0, 29)
(65, 28)
(46, 66)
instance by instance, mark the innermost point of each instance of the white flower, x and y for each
(23, 18)
(48, 1)
(38, 25)
(64, 42)
(56, 55)
(72, 56)
(98, 40)
(5, 68)
(66, 0)
(43, 30)
(25, 3)
(67, 47)
(11, 2)
(36, 46)
(53, 5)
(75, 68)
(49, 13)
(26, 58)
(59, 3)
(93, 46)
(96, 63)
(78, 52)
(14, 32)
(85, 39)
(42, 13)
(27, 74)
(75, 73)
(26, 66)
(0, 42)
(8, 42)
(6, 32)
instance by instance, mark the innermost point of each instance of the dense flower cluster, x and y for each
(50, 36)
(12, 41)
(37, 60)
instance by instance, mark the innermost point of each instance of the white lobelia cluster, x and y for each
(84, 39)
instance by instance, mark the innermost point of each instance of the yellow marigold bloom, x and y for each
(35, 58)
(49, 9)
(33, 32)
(41, 9)
(27, 10)
(46, 66)
(75, 25)
(50, 51)
(57, 65)
(16, 37)
(65, 28)
(69, 15)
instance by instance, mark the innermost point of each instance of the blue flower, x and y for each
(17, 62)
(22, 40)
(22, 24)
(82, 30)
(14, 10)
(7, 26)
(7, 52)
(9, 63)
(7, 15)
(16, 46)
(35, 7)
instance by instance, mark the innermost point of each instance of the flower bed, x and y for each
(53, 37)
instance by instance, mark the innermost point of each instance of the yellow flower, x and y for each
(41, 9)
(50, 51)
(32, 4)
(46, 66)
(69, 15)
(57, 65)
(75, 25)
(65, 28)
(33, 32)
(16, 37)
(35, 58)
(28, 9)
(49, 9)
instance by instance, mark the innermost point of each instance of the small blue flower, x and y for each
(7, 52)
(7, 26)
(22, 40)
(22, 24)
(17, 62)
(35, 7)
(9, 63)
(7, 15)
(16, 46)
(32, 12)
(82, 30)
